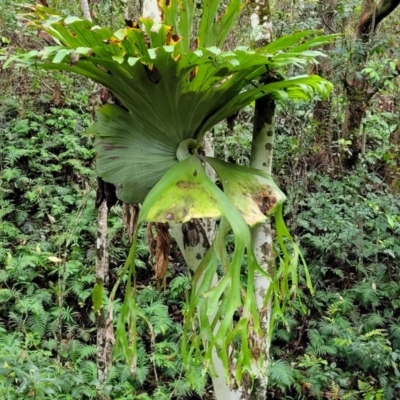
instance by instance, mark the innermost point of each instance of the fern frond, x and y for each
(280, 373)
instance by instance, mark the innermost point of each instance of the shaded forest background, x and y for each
(337, 161)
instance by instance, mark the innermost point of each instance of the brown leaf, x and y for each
(132, 24)
(152, 73)
(47, 38)
(74, 58)
(130, 216)
(160, 248)
(57, 95)
(44, 3)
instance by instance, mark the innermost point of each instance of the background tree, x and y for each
(358, 90)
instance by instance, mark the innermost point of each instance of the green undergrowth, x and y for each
(47, 265)
(348, 344)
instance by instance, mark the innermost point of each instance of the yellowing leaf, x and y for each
(54, 259)
(253, 193)
(181, 195)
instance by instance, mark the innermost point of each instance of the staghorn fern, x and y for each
(170, 95)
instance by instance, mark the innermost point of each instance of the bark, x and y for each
(151, 10)
(260, 20)
(393, 168)
(357, 104)
(105, 198)
(323, 108)
(357, 89)
(371, 16)
(261, 158)
(208, 145)
(85, 9)
(103, 321)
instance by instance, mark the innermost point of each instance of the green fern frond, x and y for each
(37, 323)
(89, 370)
(374, 320)
(375, 332)
(395, 333)
(280, 373)
(351, 395)
(323, 350)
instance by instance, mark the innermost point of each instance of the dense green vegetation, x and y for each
(345, 217)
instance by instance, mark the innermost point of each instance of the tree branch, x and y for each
(371, 16)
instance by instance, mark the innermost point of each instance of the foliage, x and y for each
(147, 147)
(346, 222)
(347, 345)
(29, 368)
(47, 220)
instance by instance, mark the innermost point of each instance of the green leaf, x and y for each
(170, 94)
(390, 220)
(209, 14)
(60, 56)
(214, 28)
(127, 158)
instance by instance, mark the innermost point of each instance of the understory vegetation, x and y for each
(343, 342)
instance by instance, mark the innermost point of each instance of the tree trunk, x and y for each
(323, 108)
(357, 89)
(105, 198)
(261, 158)
(261, 23)
(209, 150)
(103, 321)
(151, 10)
(85, 9)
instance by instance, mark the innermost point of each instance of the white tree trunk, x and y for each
(261, 158)
(85, 9)
(104, 339)
(208, 145)
(151, 10)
